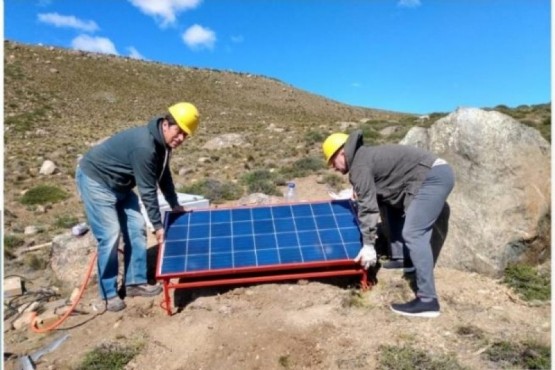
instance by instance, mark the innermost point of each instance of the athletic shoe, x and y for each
(397, 264)
(115, 304)
(143, 290)
(417, 307)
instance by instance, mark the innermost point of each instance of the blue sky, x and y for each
(414, 56)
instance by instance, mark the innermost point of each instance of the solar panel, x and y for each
(215, 241)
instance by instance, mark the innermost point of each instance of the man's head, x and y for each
(334, 151)
(181, 122)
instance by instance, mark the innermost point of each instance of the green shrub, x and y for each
(261, 181)
(408, 358)
(528, 355)
(313, 137)
(528, 282)
(216, 191)
(109, 356)
(65, 221)
(43, 194)
(11, 242)
(303, 167)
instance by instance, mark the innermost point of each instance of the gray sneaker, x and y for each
(115, 304)
(143, 290)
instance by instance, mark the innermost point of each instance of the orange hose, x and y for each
(68, 312)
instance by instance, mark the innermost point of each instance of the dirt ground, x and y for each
(323, 324)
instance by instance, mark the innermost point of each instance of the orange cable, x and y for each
(33, 323)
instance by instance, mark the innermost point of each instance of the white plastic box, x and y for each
(186, 200)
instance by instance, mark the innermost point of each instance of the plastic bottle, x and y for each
(290, 193)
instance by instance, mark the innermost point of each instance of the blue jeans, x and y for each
(110, 212)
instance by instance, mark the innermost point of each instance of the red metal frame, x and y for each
(257, 274)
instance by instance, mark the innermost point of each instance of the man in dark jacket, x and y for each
(106, 176)
(404, 178)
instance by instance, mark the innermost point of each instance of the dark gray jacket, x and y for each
(385, 174)
(135, 157)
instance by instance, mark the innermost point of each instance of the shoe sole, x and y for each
(153, 294)
(428, 314)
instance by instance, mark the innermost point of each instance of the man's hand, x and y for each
(160, 236)
(366, 257)
(180, 209)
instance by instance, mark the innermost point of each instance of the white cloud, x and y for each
(94, 44)
(70, 21)
(409, 3)
(198, 37)
(166, 10)
(134, 53)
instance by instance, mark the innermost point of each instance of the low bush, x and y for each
(43, 194)
(528, 282)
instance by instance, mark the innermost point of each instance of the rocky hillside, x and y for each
(59, 102)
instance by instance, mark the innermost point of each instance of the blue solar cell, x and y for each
(290, 255)
(244, 258)
(201, 231)
(260, 236)
(242, 243)
(265, 241)
(177, 233)
(223, 215)
(284, 224)
(174, 248)
(198, 246)
(321, 209)
(241, 215)
(325, 222)
(263, 227)
(221, 261)
(309, 238)
(201, 217)
(305, 223)
(220, 229)
(173, 265)
(281, 212)
(303, 210)
(242, 228)
(197, 262)
(313, 253)
(287, 240)
(268, 257)
(334, 251)
(261, 213)
(221, 245)
(330, 236)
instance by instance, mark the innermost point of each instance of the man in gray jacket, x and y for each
(106, 176)
(408, 179)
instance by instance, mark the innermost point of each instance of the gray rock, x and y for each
(502, 189)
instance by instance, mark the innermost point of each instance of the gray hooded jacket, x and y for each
(387, 174)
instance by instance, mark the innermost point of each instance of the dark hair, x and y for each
(170, 119)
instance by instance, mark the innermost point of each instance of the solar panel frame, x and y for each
(330, 220)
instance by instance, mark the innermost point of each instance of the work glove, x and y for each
(367, 256)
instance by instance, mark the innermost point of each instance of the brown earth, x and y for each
(324, 324)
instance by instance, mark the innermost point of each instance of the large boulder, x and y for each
(502, 189)
(71, 256)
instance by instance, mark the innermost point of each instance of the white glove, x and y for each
(367, 256)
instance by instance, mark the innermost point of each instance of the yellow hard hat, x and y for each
(186, 116)
(332, 144)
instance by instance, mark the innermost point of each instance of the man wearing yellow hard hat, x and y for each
(106, 176)
(413, 184)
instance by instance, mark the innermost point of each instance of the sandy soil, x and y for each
(323, 324)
